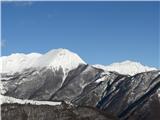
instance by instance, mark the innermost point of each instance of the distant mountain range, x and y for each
(59, 85)
(63, 58)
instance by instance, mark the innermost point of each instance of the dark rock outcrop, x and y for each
(44, 112)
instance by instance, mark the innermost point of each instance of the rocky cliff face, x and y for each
(123, 96)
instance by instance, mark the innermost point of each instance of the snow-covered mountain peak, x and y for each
(55, 58)
(65, 59)
(126, 67)
(60, 58)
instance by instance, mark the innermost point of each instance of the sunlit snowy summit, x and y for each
(65, 59)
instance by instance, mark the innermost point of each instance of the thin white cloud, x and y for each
(24, 3)
(19, 3)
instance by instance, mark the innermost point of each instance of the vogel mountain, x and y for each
(59, 85)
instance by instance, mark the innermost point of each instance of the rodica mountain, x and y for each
(59, 85)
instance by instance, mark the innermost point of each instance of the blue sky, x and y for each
(100, 32)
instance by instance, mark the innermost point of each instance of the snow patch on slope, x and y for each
(126, 67)
(7, 99)
(63, 58)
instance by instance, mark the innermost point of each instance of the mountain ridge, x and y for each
(126, 67)
(65, 59)
(55, 58)
(123, 96)
(127, 97)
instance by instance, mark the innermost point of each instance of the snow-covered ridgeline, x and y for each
(65, 59)
(17, 62)
(56, 58)
(7, 99)
(126, 67)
